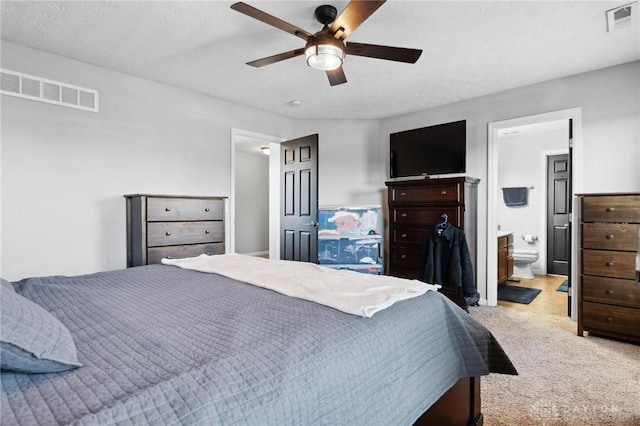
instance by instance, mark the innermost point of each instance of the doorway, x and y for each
(493, 193)
(245, 142)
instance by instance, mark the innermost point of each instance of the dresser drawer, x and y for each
(408, 235)
(155, 254)
(408, 273)
(406, 256)
(174, 233)
(432, 194)
(617, 319)
(184, 209)
(610, 236)
(425, 215)
(612, 291)
(616, 264)
(611, 208)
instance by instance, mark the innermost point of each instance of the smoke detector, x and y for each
(622, 17)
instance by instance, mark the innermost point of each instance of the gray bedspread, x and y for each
(162, 345)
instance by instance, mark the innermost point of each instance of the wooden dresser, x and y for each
(173, 226)
(416, 206)
(609, 290)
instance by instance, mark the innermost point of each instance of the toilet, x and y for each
(522, 261)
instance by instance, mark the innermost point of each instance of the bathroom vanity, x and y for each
(505, 256)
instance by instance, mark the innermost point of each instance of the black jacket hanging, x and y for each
(446, 260)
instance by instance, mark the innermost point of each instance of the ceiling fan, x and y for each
(326, 49)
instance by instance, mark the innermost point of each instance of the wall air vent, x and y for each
(26, 86)
(622, 17)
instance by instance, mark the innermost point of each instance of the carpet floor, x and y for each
(563, 379)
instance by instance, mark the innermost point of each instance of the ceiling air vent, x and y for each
(622, 17)
(26, 86)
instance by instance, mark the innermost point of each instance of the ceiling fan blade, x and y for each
(356, 12)
(276, 58)
(336, 76)
(399, 54)
(271, 20)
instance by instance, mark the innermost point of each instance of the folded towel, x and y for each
(516, 196)
(347, 291)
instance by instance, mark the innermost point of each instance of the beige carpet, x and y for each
(563, 379)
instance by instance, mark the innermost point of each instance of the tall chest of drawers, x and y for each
(609, 291)
(173, 226)
(416, 206)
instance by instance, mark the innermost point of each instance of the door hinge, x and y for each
(570, 143)
(570, 217)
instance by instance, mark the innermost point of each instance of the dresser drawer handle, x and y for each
(403, 236)
(206, 209)
(610, 237)
(402, 194)
(609, 291)
(610, 209)
(168, 233)
(403, 215)
(167, 209)
(403, 256)
(168, 257)
(609, 319)
(611, 263)
(208, 253)
(443, 192)
(207, 232)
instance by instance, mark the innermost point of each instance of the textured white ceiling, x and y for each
(470, 49)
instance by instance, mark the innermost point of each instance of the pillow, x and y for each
(31, 339)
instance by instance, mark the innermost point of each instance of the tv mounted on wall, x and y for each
(433, 150)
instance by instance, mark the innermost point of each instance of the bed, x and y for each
(160, 344)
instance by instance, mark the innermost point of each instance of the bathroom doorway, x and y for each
(531, 235)
(558, 211)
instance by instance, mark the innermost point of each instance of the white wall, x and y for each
(521, 164)
(351, 160)
(610, 101)
(252, 202)
(65, 171)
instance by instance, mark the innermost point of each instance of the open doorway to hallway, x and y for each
(254, 199)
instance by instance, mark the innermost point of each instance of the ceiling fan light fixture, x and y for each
(324, 55)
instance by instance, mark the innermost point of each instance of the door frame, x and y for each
(492, 191)
(239, 136)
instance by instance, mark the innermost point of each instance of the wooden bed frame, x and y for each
(459, 406)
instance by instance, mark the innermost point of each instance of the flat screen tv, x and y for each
(433, 150)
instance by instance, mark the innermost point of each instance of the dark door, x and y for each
(299, 195)
(558, 209)
(569, 276)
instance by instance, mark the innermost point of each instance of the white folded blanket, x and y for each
(351, 292)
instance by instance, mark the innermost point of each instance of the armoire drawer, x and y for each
(604, 263)
(617, 319)
(408, 235)
(408, 273)
(175, 233)
(406, 256)
(425, 216)
(449, 193)
(155, 254)
(610, 236)
(611, 208)
(613, 291)
(183, 209)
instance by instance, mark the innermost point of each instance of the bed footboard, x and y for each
(459, 406)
